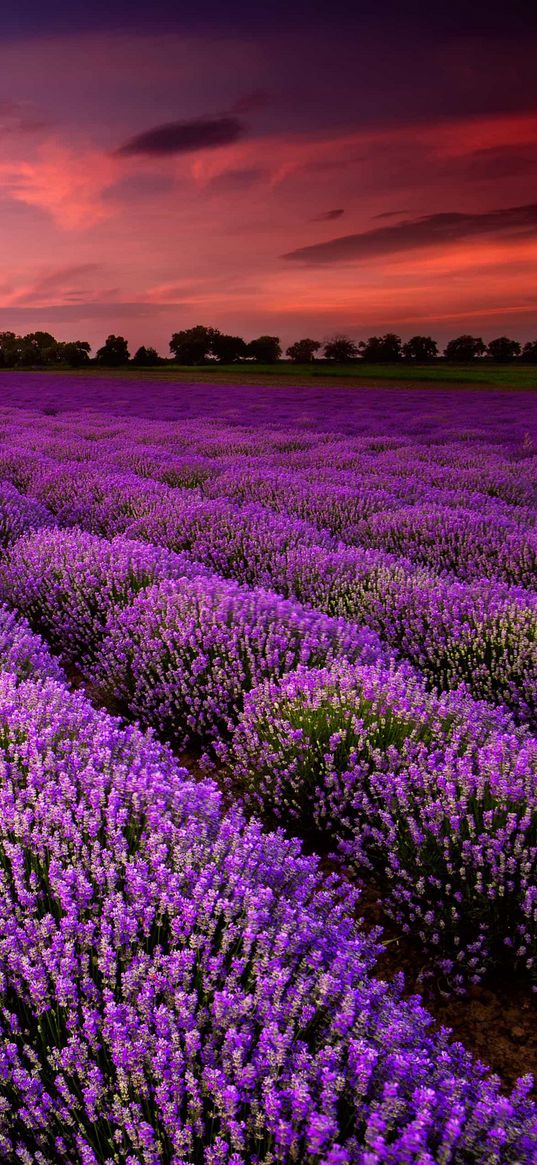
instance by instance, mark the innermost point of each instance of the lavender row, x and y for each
(494, 458)
(437, 796)
(483, 633)
(69, 584)
(445, 538)
(181, 655)
(338, 500)
(18, 514)
(435, 415)
(469, 545)
(177, 986)
(461, 473)
(368, 506)
(162, 639)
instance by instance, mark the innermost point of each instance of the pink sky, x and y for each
(94, 241)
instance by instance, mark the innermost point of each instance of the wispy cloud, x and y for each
(328, 215)
(391, 214)
(64, 184)
(237, 179)
(413, 234)
(19, 117)
(60, 282)
(107, 310)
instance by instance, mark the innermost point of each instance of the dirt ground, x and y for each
(496, 1021)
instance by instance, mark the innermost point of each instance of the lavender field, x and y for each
(262, 650)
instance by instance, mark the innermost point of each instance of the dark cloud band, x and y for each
(184, 137)
(412, 234)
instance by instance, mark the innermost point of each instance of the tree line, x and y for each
(202, 345)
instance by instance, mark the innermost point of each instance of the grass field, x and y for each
(521, 376)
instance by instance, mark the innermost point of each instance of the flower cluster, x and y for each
(182, 655)
(23, 653)
(68, 583)
(178, 987)
(436, 794)
(19, 514)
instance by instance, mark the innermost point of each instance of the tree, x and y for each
(421, 349)
(228, 349)
(193, 345)
(75, 353)
(303, 351)
(9, 349)
(463, 349)
(529, 352)
(146, 357)
(502, 350)
(381, 349)
(39, 348)
(265, 350)
(113, 353)
(340, 349)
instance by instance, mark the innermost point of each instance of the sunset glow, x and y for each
(216, 172)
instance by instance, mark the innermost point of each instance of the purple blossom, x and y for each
(183, 654)
(22, 653)
(177, 984)
(435, 794)
(69, 583)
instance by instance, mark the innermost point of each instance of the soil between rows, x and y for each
(496, 1020)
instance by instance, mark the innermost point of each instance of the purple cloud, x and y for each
(19, 117)
(411, 234)
(184, 137)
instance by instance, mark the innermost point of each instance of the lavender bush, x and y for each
(22, 653)
(68, 583)
(183, 654)
(90, 496)
(435, 794)
(176, 986)
(484, 634)
(456, 540)
(240, 542)
(19, 514)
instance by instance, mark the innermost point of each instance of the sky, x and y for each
(292, 169)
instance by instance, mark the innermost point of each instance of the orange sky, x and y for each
(94, 240)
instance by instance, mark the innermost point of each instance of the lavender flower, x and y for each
(437, 794)
(68, 583)
(19, 514)
(183, 654)
(177, 986)
(22, 653)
